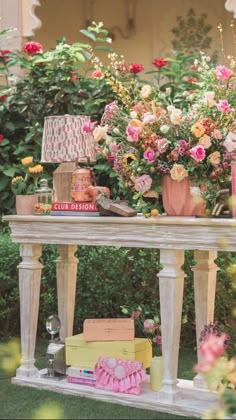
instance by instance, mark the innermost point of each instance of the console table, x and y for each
(172, 235)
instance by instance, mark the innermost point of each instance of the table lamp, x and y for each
(66, 142)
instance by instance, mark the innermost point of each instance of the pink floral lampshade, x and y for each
(65, 140)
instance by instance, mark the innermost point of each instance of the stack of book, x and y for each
(81, 375)
(74, 208)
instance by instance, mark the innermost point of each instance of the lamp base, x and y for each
(62, 177)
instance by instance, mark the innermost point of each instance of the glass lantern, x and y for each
(44, 193)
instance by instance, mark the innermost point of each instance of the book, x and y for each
(74, 206)
(81, 372)
(82, 381)
(74, 213)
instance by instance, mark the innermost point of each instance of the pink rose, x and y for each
(143, 183)
(133, 133)
(223, 105)
(149, 155)
(197, 153)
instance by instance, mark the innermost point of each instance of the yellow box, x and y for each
(85, 353)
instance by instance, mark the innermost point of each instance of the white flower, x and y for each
(133, 114)
(195, 191)
(230, 141)
(100, 133)
(164, 129)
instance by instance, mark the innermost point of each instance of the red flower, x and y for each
(135, 67)
(72, 77)
(159, 62)
(32, 47)
(2, 97)
(4, 52)
(190, 79)
(1, 138)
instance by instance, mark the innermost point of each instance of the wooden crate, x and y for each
(107, 329)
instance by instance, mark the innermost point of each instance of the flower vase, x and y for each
(178, 200)
(156, 372)
(25, 204)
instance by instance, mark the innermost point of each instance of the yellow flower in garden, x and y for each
(27, 160)
(37, 169)
(28, 183)
(17, 179)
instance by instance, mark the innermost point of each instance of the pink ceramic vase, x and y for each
(177, 199)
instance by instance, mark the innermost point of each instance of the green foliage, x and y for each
(101, 291)
(41, 84)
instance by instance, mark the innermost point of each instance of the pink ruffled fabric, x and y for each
(119, 375)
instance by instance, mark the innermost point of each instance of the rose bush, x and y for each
(37, 83)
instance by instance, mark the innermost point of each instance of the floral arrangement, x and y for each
(218, 370)
(28, 183)
(147, 326)
(147, 136)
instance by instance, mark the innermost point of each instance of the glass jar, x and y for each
(44, 193)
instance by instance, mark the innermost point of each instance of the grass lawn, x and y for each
(20, 402)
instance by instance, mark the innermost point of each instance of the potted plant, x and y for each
(25, 185)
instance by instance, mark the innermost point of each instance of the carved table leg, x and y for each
(204, 294)
(66, 269)
(29, 285)
(171, 282)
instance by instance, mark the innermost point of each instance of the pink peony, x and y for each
(149, 155)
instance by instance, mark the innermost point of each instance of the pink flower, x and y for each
(149, 155)
(150, 326)
(223, 105)
(133, 133)
(217, 134)
(197, 153)
(1, 138)
(135, 314)
(211, 348)
(97, 73)
(32, 47)
(113, 147)
(143, 183)
(157, 339)
(148, 118)
(222, 72)
(108, 112)
(88, 126)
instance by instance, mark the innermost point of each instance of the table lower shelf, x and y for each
(194, 401)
